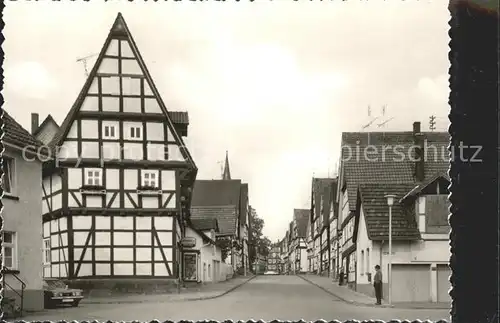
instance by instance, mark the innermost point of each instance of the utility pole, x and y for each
(432, 123)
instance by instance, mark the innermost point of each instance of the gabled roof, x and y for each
(16, 135)
(225, 216)
(120, 31)
(243, 204)
(205, 224)
(216, 193)
(200, 232)
(391, 164)
(376, 212)
(319, 189)
(422, 186)
(46, 121)
(301, 217)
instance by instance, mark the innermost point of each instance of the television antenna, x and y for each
(84, 60)
(382, 124)
(385, 122)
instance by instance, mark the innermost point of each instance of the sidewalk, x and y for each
(356, 298)
(199, 292)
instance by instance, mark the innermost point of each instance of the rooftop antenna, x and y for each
(432, 123)
(84, 60)
(386, 121)
(372, 120)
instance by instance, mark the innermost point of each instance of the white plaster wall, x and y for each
(362, 244)
(155, 131)
(90, 129)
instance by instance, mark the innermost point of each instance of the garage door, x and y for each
(443, 283)
(411, 283)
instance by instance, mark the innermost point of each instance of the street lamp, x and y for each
(390, 202)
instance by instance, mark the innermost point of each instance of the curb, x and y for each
(344, 299)
(174, 299)
(373, 305)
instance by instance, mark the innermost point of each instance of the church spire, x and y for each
(226, 175)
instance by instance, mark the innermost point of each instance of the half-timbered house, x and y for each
(391, 161)
(333, 233)
(223, 200)
(117, 195)
(301, 218)
(284, 254)
(309, 249)
(319, 218)
(21, 256)
(273, 259)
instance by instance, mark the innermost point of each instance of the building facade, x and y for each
(363, 212)
(116, 199)
(226, 201)
(23, 253)
(273, 259)
(202, 262)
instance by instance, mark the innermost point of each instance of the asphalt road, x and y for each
(265, 297)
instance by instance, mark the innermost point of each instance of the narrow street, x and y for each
(265, 297)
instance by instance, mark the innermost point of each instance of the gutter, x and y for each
(33, 153)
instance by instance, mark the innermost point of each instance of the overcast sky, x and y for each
(273, 82)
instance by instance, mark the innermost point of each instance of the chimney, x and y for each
(34, 122)
(418, 140)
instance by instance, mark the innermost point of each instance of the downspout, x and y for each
(381, 245)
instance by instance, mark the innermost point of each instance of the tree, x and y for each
(257, 241)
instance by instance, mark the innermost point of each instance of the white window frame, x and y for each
(367, 260)
(147, 180)
(12, 245)
(46, 248)
(10, 172)
(133, 130)
(94, 171)
(421, 204)
(112, 131)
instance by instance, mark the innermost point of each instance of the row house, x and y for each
(284, 254)
(203, 259)
(21, 256)
(319, 228)
(117, 190)
(226, 200)
(413, 166)
(273, 258)
(298, 247)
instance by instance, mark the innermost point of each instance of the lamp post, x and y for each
(390, 203)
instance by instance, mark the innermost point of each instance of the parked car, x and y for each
(270, 272)
(57, 293)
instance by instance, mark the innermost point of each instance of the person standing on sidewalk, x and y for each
(377, 284)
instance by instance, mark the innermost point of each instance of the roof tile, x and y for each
(225, 216)
(376, 211)
(15, 134)
(389, 158)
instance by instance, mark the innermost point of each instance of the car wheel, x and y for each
(75, 303)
